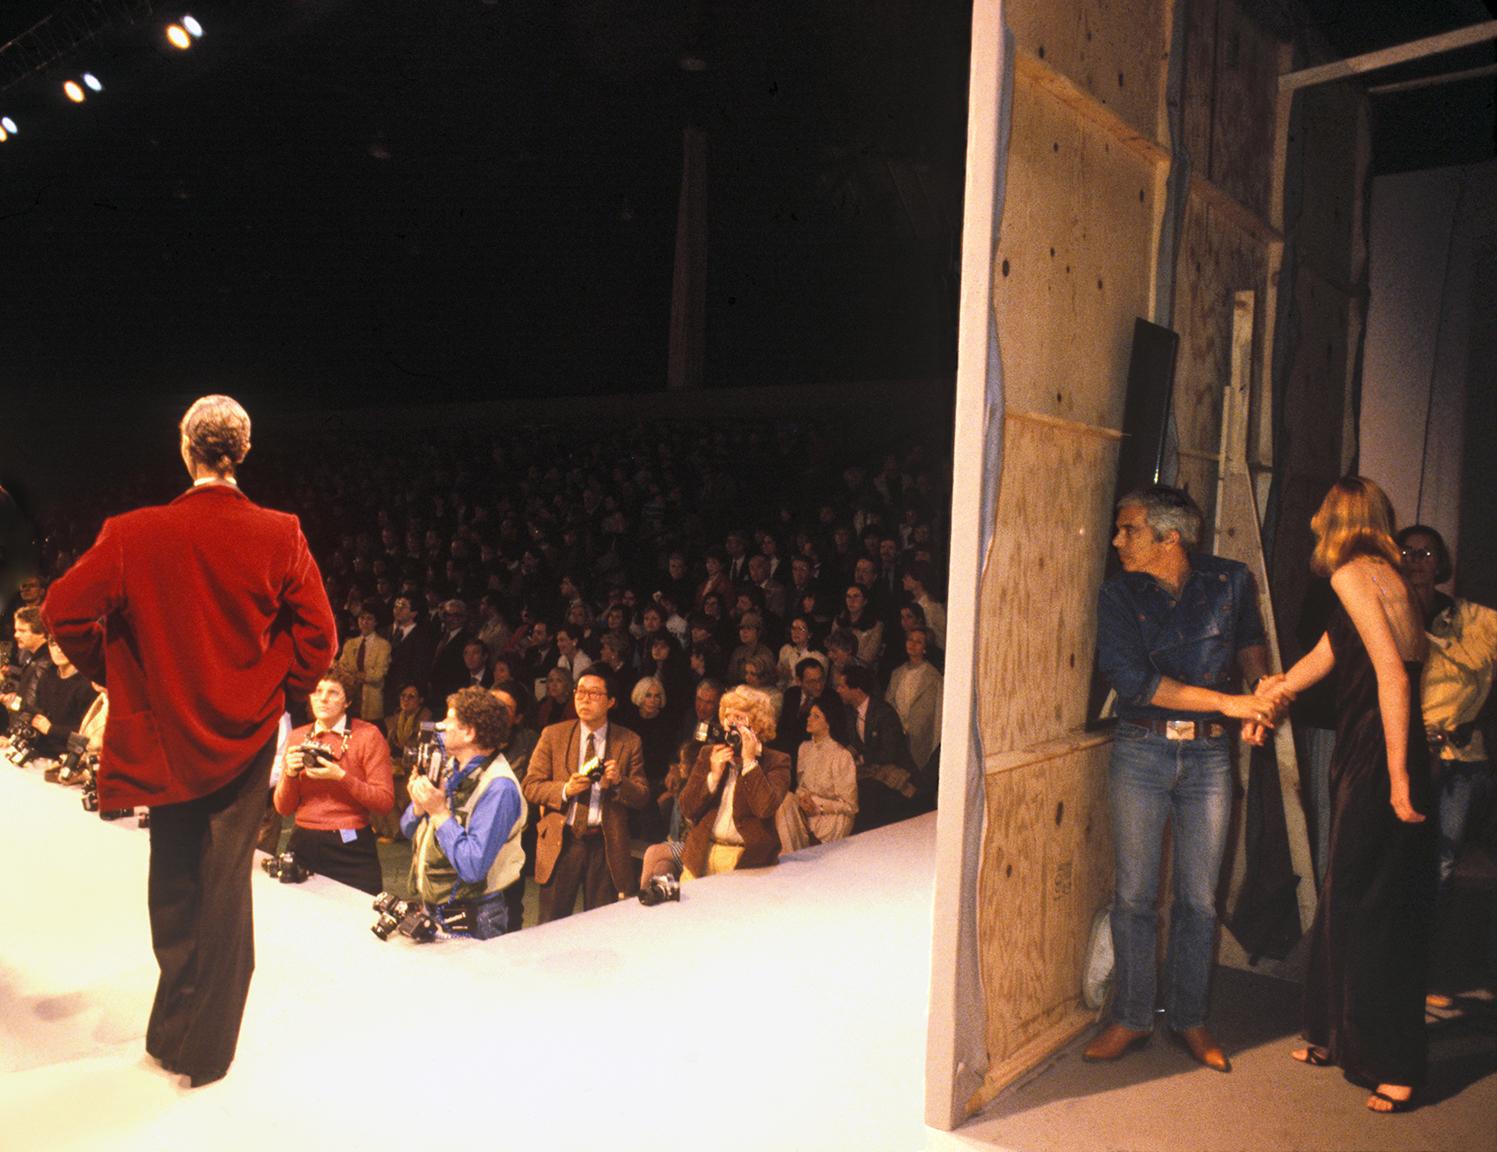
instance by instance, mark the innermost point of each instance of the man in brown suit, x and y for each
(583, 775)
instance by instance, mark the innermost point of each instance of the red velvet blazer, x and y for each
(196, 616)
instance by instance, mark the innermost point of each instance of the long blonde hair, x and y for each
(1355, 519)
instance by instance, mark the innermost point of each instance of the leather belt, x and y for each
(1172, 729)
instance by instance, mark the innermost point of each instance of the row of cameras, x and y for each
(180, 35)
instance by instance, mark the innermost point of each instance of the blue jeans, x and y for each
(1189, 783)
(1465, 786)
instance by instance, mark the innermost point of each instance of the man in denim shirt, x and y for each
(1172, 633)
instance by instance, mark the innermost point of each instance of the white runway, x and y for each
(781, 1009)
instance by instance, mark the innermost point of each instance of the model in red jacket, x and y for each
(197, 616)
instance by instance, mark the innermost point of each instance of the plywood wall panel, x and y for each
(1243, 112)
(1075, 258)
(1116, 50)
(1037, 612)
(1217, 260)
(1331, 119)
(1198, 94)
(1039, 890)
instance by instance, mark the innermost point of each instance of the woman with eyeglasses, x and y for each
(1365, 989)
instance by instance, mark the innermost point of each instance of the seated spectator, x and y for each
(758, 673)
(63, 697)
(860, 620)
(750, 645)
(332, 794)
(717, 584)
(825, 800)
(27, 666)
(366, 659)
(915, 690)
(412, 647)
(704, 701)
(771, 591)
(841, 651)
(886, 780)
(465, 834)
(796, 708)
(917, 578)
(493, 628)
(657, 738)
(541, 653)
(579, 622)
(671, 666)
(732, 796)
(795, 650)
(476, 664)
(722, 628)
(570, 657)
(614, 655)
(704, 646)
(402, 731)
(556, 705)
(449, 672)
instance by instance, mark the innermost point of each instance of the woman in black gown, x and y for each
(1364, 993)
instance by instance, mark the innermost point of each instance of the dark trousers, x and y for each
(353, 862)
(202, 927)
(582, 863)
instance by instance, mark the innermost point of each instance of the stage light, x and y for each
(177, 35)
(93, 82)
(9, 125)
(194, 29)
(4, 135)
(74, 92)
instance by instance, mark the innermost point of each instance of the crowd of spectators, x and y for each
(669, 562)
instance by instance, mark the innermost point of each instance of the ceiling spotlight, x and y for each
(194, 29)
(9, 125)
(93, 82)
(177, 36)
(74, 92)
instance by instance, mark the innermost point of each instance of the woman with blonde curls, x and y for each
(1364, 993)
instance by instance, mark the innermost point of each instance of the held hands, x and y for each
(807, 804)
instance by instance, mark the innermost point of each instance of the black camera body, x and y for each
(91, 804)
(23, 738)
(659, 890)
(77, 764)
(286, 868)
(408, 917)
(429, 758)
(709, 732)
(314, 754)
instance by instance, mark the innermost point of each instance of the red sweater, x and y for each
(196, 615)
(347, 803)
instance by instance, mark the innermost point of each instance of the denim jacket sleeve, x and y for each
(1122, 653)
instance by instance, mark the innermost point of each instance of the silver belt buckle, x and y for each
(1179, 729)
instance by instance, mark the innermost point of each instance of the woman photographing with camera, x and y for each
(1364, 993)
(735, 788)
(335, 775)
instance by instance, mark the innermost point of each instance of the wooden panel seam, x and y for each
(997, 763)
(1032, 70)
(1067, 425)
(1235, 211)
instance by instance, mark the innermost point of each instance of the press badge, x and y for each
(349, 835)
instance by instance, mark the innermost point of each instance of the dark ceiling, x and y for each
(332, 202)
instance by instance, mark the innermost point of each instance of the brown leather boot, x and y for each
(1198, 1042)
(1113, 1043)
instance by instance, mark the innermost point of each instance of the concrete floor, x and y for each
(1158, 1100)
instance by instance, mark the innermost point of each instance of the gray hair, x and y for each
(1167, 509)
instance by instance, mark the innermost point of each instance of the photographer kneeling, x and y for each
(465, 829)
(336, 772)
